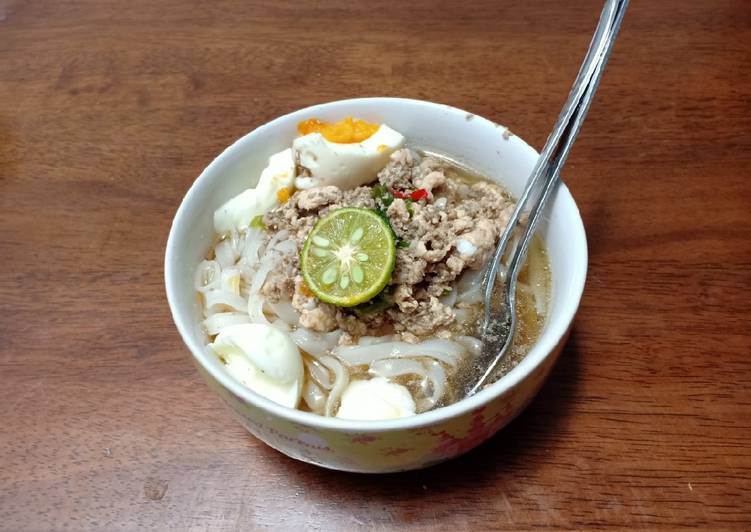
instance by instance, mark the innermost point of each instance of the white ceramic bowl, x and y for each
(392, 445)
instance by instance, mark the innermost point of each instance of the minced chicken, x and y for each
(454, 227)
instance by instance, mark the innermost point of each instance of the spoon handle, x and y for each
(546, 173)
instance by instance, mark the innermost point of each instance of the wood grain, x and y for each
(109, 110)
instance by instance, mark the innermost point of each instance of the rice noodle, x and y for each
(285, 311)
(471, 296)
(229, 249)
(224, 254)
(443, 350)
(208, 276)
(319, 373)
(253, 242)
(281, 235)
(272, 260)
(373, 340)
(246, 277)
(341, 381)
(449, 299)
(523, 287)
(396, 367)
(238, 242)
(230, 280)
(462, 315)
(469, 287)
(216, 322)
(472, 344)
(313, 343)
(281, 325)
(286, 247)
(436, 375)
(246, 272)
(541, 300)
(255, 309)
(537, 281)
(259, 277)
(223, 300)
(314, 397)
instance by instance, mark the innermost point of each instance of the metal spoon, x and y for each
(499, 317)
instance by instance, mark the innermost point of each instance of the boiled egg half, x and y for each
(346, 154)
(376, 398)
(262, 358)
(274, 187)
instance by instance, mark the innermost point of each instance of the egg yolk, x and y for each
(283, 194)
(346, 131)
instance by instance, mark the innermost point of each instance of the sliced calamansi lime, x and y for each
(348, 256)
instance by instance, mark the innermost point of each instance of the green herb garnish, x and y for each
(410, 208)
(380, 302)
(383, 196)
(257, 223)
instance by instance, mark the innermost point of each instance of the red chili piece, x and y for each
(398, 194)
(419, 194)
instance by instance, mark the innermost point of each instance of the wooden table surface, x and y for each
(108, 112)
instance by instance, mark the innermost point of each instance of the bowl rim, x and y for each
(552, 335)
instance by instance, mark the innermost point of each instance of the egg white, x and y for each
(344, 165)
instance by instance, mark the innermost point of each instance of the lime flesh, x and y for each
(348, 256)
